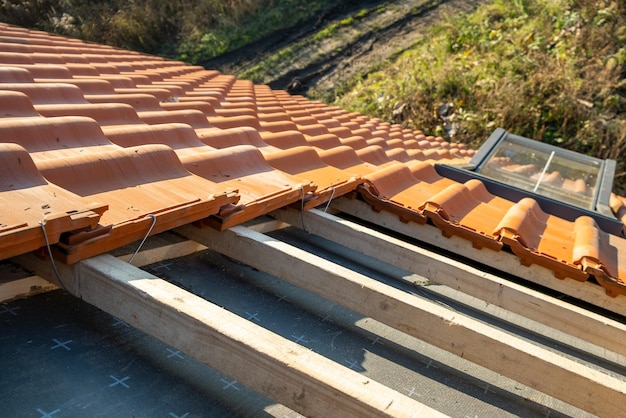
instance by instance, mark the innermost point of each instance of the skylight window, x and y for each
(565, 183)
(546, 170)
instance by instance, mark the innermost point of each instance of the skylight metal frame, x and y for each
(599, 208)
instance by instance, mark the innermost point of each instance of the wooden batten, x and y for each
(503, 261)
(34, 285)
(595, 329)
(24, 287)
(518, 359)
(280, 369)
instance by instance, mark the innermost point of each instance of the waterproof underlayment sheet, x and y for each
(61, 357)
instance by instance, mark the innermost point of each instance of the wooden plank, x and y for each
(166, 252)
(580, 323)
(268, 226)
(588, 292)
(528, 363)
(269, 364)
(34, 285)
(25, 287)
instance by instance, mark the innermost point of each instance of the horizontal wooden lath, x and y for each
(468, 338)
(271, 365)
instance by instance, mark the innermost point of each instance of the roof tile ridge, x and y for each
(524, 222)
(449, 210)
(523, 229)
(590, 243)
(597, 252)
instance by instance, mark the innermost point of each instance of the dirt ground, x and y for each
(382, 30)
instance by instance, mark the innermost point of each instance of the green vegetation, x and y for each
(552, 70)
(189, 30)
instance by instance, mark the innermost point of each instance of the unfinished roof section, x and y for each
(139, 144)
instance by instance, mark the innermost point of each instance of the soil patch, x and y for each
(364, 35)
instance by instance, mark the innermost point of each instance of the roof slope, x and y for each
(101, 147)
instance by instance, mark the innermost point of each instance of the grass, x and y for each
(189, 30)
(259, 19)
(273, 64)
(551, 70)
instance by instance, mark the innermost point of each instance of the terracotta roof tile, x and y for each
(159, 137)
(15, 104)
(537, 237)
(28, 199)
(467, 210)
(261, 187)
(139, 184)
(304, 162)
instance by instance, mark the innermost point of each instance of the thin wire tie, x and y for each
(329, 200)
(54, 266)
(154, 219)
(302, 211)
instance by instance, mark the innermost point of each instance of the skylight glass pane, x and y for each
(546, 170)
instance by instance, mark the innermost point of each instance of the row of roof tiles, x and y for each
(101, 146)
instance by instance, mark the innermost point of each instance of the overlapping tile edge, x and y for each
(182, 144)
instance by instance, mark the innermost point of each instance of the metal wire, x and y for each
(302, 211)
(54, 266)
(154, 218)
(329, 200)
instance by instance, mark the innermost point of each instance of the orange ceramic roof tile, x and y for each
(284, 140)
(140, 184)
(139, 101)
(13, 58)
(15, 75)
(45, 71)
(106, 114)
(278, 126)
(618, 206)
(178, 136)
(143, 102)
(394, 188)
(59, 99)
(46, 138)
(346, 158)
(72, 58)
(90, 85)
(26, 199)
(340, 131)
(355, 141)
(324, 141)
(15, 104)
(305, 162)
(469, 211)
(224, 138)
(273, 117)
(47, 93)
(537, 237)
(374, 154)
(46, 58)
(601, 255)
(261, 187)
(398, 154)
(226, 122)
(117, 84)
(193, 118)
